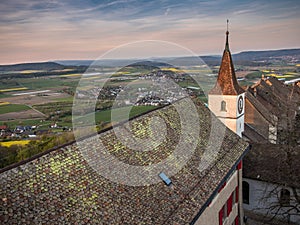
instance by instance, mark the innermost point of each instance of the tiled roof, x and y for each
(259, 107)
(226, 83)
(273, 163)
(252, 135)
(274, 102)
(275, 96)
(62, 188)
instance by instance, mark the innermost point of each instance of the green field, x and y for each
(253, 75)
(46, 82)
(120, 113)
(14, 123)
(4, 95)
(11, 83)
(13, 108)
(101, 116)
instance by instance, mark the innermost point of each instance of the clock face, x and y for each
(240, 104)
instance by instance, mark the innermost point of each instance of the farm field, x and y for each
(36, 99)
(8, 108)
(105, 115)
(44, 100)
(21, 115)
(26, 122)
(10, 143)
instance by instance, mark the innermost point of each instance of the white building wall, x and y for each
(272, 134)
(232, 118)
(214, 103)
(210, 216)
(236, 125)
(264, 197)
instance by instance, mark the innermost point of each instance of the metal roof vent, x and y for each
(165, 178)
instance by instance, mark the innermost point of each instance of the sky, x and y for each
(45, 30)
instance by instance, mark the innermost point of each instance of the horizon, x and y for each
(74, 30)
(147, 58)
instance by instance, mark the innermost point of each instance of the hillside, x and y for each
(258, 58)
(249, 58)
(48, 66)
(267, 55)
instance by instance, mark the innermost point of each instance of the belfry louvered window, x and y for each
(223, 106)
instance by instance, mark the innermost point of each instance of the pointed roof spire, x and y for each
(226, 83)
(227, 34)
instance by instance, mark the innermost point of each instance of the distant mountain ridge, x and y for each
(32, 66)
(261, 55)
(256, 58)
(245, 57)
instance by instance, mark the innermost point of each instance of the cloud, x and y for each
(47, 29)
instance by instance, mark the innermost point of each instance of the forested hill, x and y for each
(246, 57)
(256, 58)
(48, 66)
(265, 55)
(38, 70)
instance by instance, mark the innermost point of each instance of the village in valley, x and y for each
(150, 112)
(37, 112)
(38, 102)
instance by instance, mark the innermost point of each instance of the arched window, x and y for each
(223, 106)
(284, 197)
(246, 191)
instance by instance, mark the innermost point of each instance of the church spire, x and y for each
(227, 33)
(226, 83)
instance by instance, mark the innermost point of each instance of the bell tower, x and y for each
(227, 99)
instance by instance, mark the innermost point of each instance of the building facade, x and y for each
(227, 99)
(62, 186)
(226, 206)
(264, 114)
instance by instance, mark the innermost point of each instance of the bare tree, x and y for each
(278, 164)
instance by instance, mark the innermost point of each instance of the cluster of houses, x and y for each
(18, 131)
(266, 115)
(165, 89)
(27, 131)
(68, 185)
(157, 88)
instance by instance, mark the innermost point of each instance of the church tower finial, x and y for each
(227, 33)
(226, 82)
(227, 99)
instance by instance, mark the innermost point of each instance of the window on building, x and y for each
(236, 221)
(246, 192)
(223, 106)
(234, 196)
(285, 196)
(229, 204)
(221, 217)
(227, 207)
(225, 214)
(237, 194)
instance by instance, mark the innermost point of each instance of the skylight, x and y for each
(165, 178)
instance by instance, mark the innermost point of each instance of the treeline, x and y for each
(17, 153)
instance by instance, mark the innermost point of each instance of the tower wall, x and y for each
(227, 109)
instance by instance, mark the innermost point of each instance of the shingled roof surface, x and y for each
(274, 164)
(226, 83)
(62, 188)
(275, 96)
(270, 102)
(251, 134)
